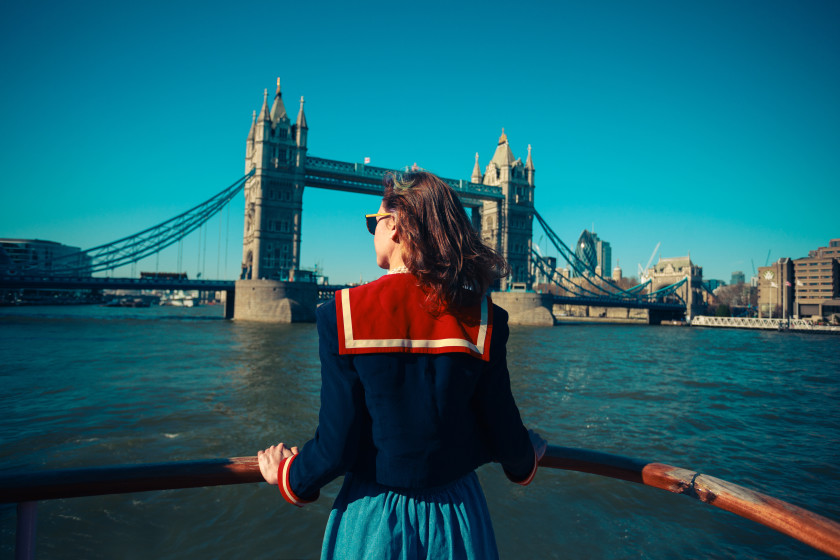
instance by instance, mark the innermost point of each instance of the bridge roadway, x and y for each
(42, 282)
(615, 302)
(366, 179)
(14, 282)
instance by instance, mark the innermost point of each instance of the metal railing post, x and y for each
(27, 519)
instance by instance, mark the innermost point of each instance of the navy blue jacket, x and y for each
(409, 420)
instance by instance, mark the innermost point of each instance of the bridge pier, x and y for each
(273, 301)
(526, 308)
(599, 314)
(659, 315)
(230, 301)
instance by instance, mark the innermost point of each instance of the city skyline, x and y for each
(713, 130)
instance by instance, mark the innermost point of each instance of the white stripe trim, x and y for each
(482, 327)
(348, 324)
(350, 343)
(408, 343)
(287, 489)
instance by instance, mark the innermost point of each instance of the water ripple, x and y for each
(88, 386)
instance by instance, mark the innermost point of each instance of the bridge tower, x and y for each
(507, 225)
(670, 271)
(276, 148)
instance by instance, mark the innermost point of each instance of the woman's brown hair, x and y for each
(440, 246)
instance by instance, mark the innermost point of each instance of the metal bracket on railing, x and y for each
(27, 520)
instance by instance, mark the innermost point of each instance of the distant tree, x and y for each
(723, 310)
(625, 283)
(737, 295)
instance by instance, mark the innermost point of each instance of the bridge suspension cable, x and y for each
(149, 241)
(562, 281)
(572, 259)
(600, 287)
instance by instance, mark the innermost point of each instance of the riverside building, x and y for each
(775, 289)
(594, 253)
(805, 287)
(818, 282)
(22, 256)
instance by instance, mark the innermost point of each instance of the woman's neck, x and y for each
(396, 261)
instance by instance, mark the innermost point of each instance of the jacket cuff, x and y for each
(527, 480)
(285, 485)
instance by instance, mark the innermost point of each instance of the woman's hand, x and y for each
(539, 444)
(271, 458)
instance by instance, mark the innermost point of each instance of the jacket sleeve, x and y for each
(509, 442)
(333, 449)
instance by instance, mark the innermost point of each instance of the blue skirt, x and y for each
(371, 521)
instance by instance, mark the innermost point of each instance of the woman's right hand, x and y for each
(270, 459)
(540, 445)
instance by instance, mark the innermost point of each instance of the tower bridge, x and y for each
(501, 198)
(271, 285)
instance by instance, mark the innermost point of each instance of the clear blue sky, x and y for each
(711, 127)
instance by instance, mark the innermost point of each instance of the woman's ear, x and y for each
(395, 232)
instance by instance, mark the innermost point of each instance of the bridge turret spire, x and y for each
(300, 128)
(301, 118)
(253, 126)
(278, 109)
(476, 173)
(264, 116)
(503, 156)
(529, 168)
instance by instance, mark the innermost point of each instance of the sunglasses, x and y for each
(373, 219)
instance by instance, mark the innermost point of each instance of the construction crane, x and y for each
(643, 271)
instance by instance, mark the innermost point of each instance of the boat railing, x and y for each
(26, 489)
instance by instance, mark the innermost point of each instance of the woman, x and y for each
(415, 391)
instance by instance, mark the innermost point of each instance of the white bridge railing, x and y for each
(742, 322)
(763, 323)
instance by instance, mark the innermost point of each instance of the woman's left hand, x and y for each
(271, 458)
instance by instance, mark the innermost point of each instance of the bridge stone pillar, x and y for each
(271, 301)
(526, 308)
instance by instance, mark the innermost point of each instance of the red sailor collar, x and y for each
(389, 315)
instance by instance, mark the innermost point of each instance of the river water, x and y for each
(87, 386)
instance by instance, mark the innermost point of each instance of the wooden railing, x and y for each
(814, 530)
(27, 489)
